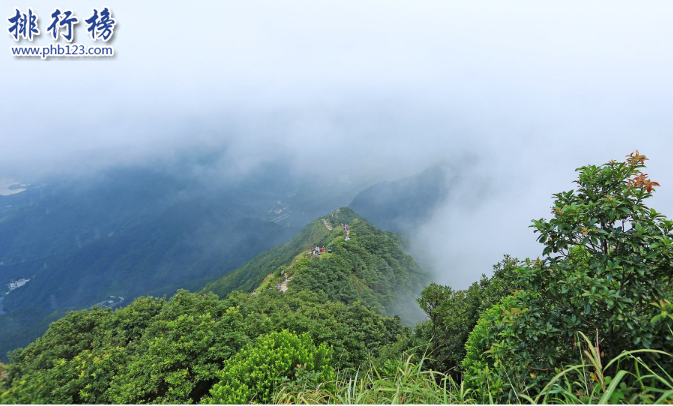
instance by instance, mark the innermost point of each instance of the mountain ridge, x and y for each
(371, 266)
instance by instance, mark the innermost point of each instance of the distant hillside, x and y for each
(403, 204)
(371, 267)
(140, 231)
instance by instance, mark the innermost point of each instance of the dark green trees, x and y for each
(453, 314)
(606, 263)
(173, 351)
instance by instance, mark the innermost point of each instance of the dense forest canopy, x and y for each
(590, 320)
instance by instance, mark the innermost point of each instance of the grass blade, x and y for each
(611, 389)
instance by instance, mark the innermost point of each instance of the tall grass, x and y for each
(634, 381)
(407, 383)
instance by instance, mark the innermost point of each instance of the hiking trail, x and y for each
(283, 286)
(347, 230)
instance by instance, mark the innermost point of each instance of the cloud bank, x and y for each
(532, 90)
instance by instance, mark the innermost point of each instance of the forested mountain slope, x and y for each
(371, 266)
(127, 232)
(155, 350)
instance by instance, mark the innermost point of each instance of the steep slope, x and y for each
(365, 264)
(406, 203)
(249, 276)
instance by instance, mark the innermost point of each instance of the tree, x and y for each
(453, 313)
(606, 261)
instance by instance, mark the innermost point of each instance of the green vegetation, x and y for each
(251, 274)
(453, 314)
(126, 233)
(399, 381)
(173, 351)
(606, 261)
(371, 267)
(20, 325)
(590, 321)
(405, 381)
(274, 360)
(137, 231)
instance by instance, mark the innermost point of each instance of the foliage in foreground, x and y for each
(605, 271)
(173, 351)
(607, 260)
(627, 378)
(255, 372)
(408, 382)
(402, 381)
(453, 314)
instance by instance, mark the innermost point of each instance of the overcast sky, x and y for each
(531, 89)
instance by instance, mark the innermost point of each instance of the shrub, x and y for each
(258, 370)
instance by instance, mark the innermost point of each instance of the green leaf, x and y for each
(611, 389)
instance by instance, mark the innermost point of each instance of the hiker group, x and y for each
(347, 230)
(319, 250)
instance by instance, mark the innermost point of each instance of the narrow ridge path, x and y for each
(347, 230)
(283, 286)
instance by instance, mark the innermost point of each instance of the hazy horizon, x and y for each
(519, 93)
